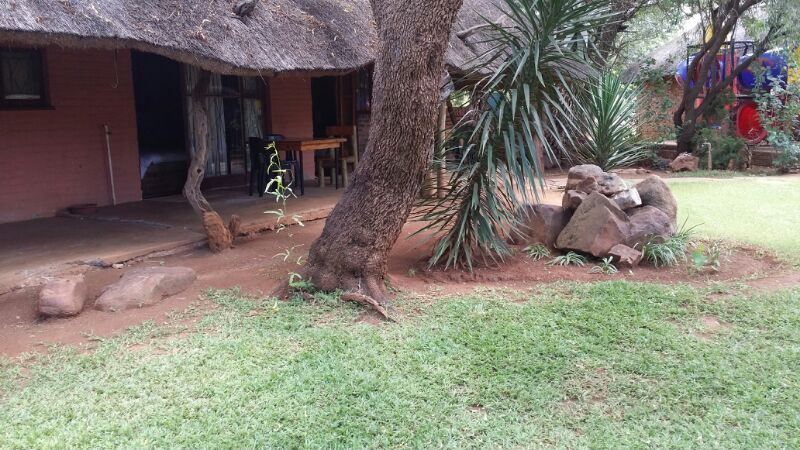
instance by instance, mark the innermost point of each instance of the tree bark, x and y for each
(352, 252)
(219, 236)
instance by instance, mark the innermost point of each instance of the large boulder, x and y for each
(583, 176)
(597, 225)
(647, 223)
(63, 297)
(145, 287)
(543, 223)
(685, 162)
(655, 192)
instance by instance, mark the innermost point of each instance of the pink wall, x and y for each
(291, 113)
(54, 158)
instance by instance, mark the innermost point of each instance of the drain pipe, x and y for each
(110, 165)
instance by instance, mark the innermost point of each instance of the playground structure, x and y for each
(767, 71)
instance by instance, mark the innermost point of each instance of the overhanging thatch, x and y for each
(282, 36)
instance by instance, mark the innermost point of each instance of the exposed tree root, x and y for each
(368, 302)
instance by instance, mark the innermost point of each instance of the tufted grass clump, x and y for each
(569, 259)
(537, 252)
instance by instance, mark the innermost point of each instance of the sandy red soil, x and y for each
(255, 266)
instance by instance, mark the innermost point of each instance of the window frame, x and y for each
(40, 103)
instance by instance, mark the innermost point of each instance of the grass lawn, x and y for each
(764, 211)
(613, 364)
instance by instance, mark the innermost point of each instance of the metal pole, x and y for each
(110, 165)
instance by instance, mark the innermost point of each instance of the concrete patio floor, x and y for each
(34, 250)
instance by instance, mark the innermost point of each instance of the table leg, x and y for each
(302, 178)
(337, 156)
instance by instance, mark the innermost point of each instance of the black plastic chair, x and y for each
(260, 161)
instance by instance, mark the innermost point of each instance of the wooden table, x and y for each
(297, 146)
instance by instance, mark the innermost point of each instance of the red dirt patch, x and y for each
(256, 266)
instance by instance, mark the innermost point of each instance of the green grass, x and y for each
(612, 364)
(764, 211)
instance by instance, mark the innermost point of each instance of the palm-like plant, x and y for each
(537, 51)
(607, 121)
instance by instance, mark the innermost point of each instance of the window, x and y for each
(22, 79)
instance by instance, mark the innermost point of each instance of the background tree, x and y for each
(351, 254)
(720, 18)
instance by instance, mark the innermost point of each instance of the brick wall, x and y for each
(657, 104)
(56, 157)
(291, 113)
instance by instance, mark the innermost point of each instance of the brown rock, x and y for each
(63, 297)
(625, 256)
(572, 199)
(587, 186)
(543, 223)
(646, 223)
(628, 199)
(597, 225)
(144, 287)
(654, 192)
(685, 162)
(578, 174)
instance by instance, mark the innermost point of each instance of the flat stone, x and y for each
(144, 287)
(597, 226)
(654, 192)
(543, 223)
(647, 223)
(63, 297)
(685, 162)
(625, 256)
(628, 199)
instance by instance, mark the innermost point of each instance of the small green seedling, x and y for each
(605, 266)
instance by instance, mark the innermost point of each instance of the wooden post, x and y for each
(219, 236)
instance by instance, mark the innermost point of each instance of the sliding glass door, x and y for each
(235, 106)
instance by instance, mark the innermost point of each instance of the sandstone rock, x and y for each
(144, 287)
(543, 223)
(685, 162)
(625, 256)
(628, 199)
(654, 192)
(578, 174)
(648, 222)
(597, 225)
(588, 185)
(611, 184)
(63, 297)
(572, 199)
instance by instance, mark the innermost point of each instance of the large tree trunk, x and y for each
(219, 236)
(352, 251)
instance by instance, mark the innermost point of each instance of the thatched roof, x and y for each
(281, 36)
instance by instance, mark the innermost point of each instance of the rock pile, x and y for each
(602, 216)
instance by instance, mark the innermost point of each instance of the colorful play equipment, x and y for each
(748, 123)
(773, 66)
(681, 74)
(762, 73)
